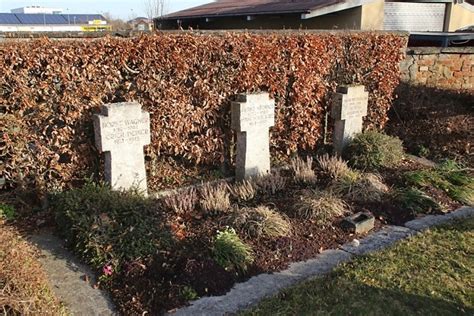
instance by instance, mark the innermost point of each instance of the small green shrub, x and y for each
(415, 201)
(261, 222)
(7, 212)
(322, 207)
(108, 227)
(450, 177)
(372, 150)
(230, 252)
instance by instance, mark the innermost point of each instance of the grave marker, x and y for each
(252, 116)
(348, 110)
(121, 131)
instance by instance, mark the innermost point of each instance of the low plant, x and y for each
(183, 202)
(320, 206)
(189, 294)
(372, 150)
(333, 166)
(215, 199)
(356, 186)
(108, 227)
(230, 252)
(243, 190)
(7, 212)
(270, 183)
(415, 201)
(261, 221)
(303, 170)
(450, 177)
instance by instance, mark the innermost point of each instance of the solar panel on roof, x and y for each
(8, 18)
(40, 18)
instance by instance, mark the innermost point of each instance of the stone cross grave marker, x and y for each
(121, 131)
(348, 110)
(252, 116)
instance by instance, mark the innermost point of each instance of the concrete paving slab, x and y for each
(66, 275)
(384, 238)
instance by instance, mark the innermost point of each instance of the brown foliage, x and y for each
(24, 288)
(49, 90)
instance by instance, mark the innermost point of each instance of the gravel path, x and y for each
(72, 282)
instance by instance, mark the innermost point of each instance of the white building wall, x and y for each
(40, 28)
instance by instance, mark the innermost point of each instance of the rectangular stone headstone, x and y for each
(252, 116)
(121, 131)
(348, 110)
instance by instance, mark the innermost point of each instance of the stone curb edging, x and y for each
(428, 221)
(247, 294)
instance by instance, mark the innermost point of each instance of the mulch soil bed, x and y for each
(158, 284)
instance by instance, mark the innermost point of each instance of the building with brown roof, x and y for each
(422, 15)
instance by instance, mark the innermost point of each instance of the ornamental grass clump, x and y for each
(270, 183)
(450, 177)
(333, 166)
(415, 201)
(243, 190)
(360, 187)
(215, 199)
(230, 252)
(261, 221)
(320, 206)
(373, 150)
(303, 170)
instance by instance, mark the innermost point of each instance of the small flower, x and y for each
(108, 270)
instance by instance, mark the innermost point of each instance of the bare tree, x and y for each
(155, 8)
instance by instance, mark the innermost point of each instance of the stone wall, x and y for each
(439, 67)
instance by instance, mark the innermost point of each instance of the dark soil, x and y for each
(434, 123)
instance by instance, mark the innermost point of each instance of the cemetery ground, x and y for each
(429, 274)
(157, 254)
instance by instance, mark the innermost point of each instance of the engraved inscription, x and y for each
(126, 131)
(256, 115)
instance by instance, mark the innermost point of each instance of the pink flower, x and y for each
(108, 270)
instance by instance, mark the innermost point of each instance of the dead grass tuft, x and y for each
(320, 206)
(270, 183)
(261, 222)
(215, 199)
(333, 166)
(355, 186)
(302, 170)
(183, 202)
(24, 288)
(244, 190)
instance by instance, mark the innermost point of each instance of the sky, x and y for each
(124, 9)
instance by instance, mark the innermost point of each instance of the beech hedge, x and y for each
(49, 91)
